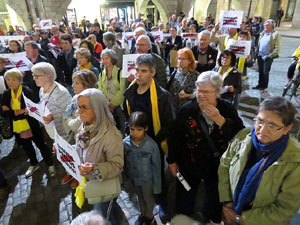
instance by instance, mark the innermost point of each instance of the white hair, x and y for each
(204, 32)
(46, 69)
(212, 78)
(144, 37)
(140, 30)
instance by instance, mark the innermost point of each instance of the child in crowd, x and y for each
(142, 165)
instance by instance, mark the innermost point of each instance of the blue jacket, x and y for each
(142, 163)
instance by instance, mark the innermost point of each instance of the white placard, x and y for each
(76, 42)
(128, 37)
(46, 24)
(68, 157)
(129, 65)
(2, 85)
(240, 48)
(190, 35)
(54, 49)
(34, 109)
(158, 36)
(231, 19)
(17, 60)
(166, 36)
(5, 39)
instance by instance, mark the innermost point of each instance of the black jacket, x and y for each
(165, 109)
(64, 73)
(188, 145)
(211, 53)
(170, 46)
(6, 100)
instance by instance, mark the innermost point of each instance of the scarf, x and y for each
(225, 74)
(87, 66)
(155, 113)
(250, 179)
(18, 125)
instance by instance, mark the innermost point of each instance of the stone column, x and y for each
(296, 16)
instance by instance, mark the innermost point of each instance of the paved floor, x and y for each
(42, 200)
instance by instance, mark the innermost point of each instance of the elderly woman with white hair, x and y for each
(99, 143)
(113, 87)
(200, 135)
(54, 98)
(109, 40)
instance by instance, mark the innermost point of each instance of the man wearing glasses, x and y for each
(259, 174)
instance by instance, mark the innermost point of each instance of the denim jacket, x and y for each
(142, 163)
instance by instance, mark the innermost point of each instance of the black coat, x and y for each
(6, 100)
(165, 108)
(211, 53)
(176, 46)
(188, 146)
(64, 73)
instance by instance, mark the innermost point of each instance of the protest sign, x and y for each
(129, 64)
(4, 40)
(46, 24)
(189, 35)
(76, 42)
(231, 19)
(166, 36)
(34, 109)
(128, 37)
(240, 48)
(54, 50)
(17, 60)
(2, 85)
(68, 157)
(158, 36)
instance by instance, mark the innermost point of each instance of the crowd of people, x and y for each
(182, 114)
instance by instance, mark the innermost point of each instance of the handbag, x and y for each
(6, 130)
(102, 191)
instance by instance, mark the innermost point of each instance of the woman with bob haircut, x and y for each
(113, 87)
(89, 45)
(259, 174)
(54, 98)
(182, 81)
(14, 46)
(232, 78)
(25, 128)
(83, 57)
(99, 143)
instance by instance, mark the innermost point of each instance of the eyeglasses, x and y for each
(259, 122)
(35, 76)
(83, 108)
(205, 91)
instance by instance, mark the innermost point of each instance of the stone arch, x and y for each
(143, 4)
(200, 9)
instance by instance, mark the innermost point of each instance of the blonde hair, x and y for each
(83, 52)
(15, 73)
(86, 77)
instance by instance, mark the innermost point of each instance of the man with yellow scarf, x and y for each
(146, 95)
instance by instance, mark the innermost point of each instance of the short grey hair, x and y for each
(110, 38)
(204, 32)
(144, 36)
(211, 77)
(140, 30)
(112, 54)
(87, 218)
(45, 69)
(272, 22)
(146, 59)
(98, 102)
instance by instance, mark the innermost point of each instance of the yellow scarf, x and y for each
(235, 37)
(79, 194)
(225, 74)
(88, 66)
(19, 125)
(155, 113)
(241, 64)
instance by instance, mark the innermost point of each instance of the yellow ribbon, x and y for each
(79, 194)
(18, 125)
(155, 113)
(241, 64)
(87, 66)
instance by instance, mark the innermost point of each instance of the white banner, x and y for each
(189, 35)
(46, 24)
(5, 39)
(2, 85)
(129, 65)
(166, 36)
(76, 42)
(17, 60)
(240, 48)
(34, 109)
(54, 49)
(158, 36)
(231, 19)
(68, 157)
(128, 36)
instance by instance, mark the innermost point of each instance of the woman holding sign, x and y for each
(25, 128)
(100, 147)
